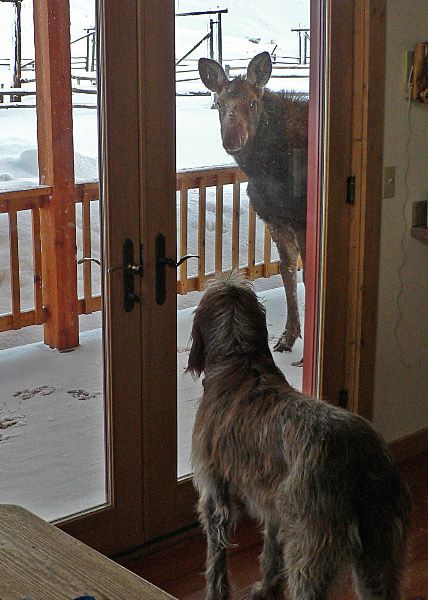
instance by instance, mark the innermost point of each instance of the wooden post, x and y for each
(16, 78)
(56, 168)
(219, 40)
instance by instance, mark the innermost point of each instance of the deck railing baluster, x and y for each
(37, 267)
(219, 225)
(251, 242)
(14, 269)
(87, 251)
(267, 252)
(202, 223)
(236, 212)
(183, 238)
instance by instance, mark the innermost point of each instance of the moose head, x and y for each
(238, 100)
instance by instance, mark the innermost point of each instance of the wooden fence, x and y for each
(210, 186)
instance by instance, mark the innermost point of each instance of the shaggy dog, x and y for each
(318, 477)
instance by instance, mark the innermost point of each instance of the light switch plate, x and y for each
(389, 182)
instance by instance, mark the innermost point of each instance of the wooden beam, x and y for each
(56, 168)
(364, 235)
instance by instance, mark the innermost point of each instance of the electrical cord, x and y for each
(405, 229)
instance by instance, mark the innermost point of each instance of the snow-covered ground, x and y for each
(51, 404)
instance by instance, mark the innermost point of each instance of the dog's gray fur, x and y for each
(318, 477)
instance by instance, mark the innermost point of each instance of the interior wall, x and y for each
(401, 379)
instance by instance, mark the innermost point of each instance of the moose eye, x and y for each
(253, 105)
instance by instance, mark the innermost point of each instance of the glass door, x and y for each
(70, 352)
(195, 198)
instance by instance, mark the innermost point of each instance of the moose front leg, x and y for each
(285, 240)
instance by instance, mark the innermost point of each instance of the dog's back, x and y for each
(271, 442)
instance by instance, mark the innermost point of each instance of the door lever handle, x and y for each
(130, 269)
(163, 261)
(170, 262)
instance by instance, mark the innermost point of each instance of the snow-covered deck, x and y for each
(52, 440)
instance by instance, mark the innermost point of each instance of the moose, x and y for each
(266, 132)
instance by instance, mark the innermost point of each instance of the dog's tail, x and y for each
(383, 510)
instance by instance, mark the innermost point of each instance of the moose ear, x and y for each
(259, 70)
(196, 363)
(212, 74)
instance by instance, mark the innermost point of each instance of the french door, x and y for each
(149, 198)
(168, 196)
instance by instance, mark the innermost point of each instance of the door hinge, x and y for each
(350, 190)
(343, 398)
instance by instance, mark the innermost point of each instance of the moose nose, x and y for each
(234, 141)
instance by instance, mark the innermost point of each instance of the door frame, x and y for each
(346, 311)
(365, 226)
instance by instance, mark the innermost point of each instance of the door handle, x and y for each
(130, 270)
(161, 263)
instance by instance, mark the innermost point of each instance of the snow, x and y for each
(52, 413)
(52, 440)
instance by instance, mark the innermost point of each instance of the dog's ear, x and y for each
(196, 363)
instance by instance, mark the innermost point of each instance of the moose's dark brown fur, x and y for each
(267, 134)
(318, 477)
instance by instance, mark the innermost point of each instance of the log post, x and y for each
(56, 168)
(17, 50)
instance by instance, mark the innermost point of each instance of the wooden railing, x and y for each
(217, 188)
(22, 202)
(218, 192)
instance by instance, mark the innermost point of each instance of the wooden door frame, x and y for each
(118, 526)
(365, 225)
(345, 313)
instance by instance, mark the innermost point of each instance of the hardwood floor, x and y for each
(179, 570)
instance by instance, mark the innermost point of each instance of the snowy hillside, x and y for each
(267, 23)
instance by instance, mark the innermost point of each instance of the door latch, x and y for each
(161, 263)
(130, 270)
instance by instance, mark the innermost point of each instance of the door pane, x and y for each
(52, 408)
(214, 216)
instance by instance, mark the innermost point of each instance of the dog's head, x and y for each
(229, 322)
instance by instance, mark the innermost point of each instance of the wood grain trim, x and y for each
(364, 238)
(334, 244)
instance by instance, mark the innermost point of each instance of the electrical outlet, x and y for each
(389, 182)
(407, 72)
